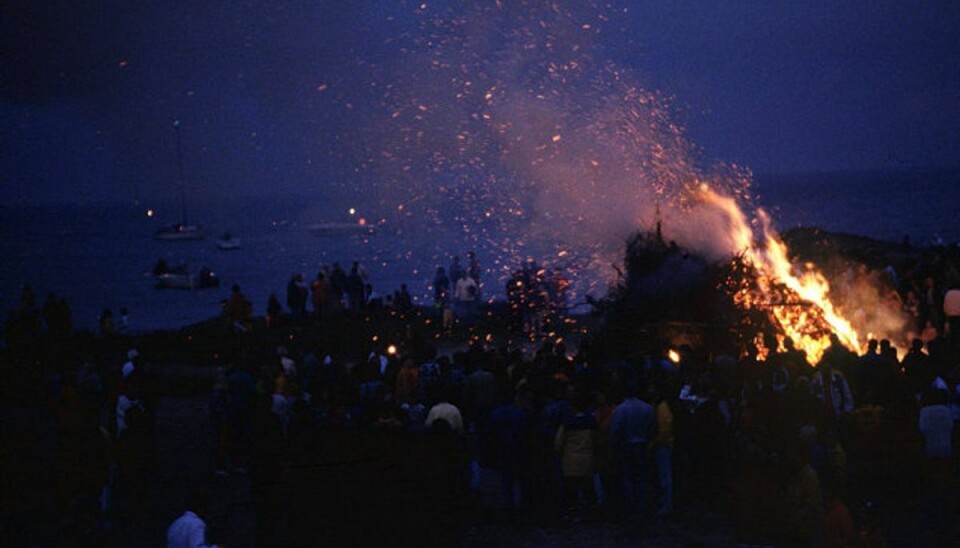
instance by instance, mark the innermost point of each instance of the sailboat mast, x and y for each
(183, 190)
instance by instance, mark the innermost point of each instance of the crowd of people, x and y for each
(792, 453)
(537, 299)
(377, 442)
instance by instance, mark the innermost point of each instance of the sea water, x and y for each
(102, 255)
(923, 206)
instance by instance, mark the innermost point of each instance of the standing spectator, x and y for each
(135, 447)
(318, 294)
(479, 395)
(936, 426)
(107, 328)
(130, 366)
(931, 299)
(274, 310)
(576, 443)
(407, 383)
(355, 287)
(662, 449)
(837, 528)
(338, 287)
(832, 390)
(508, 432)
(456, 270)
(631, 428)
(606, 468)
(441, 297)
(297, 296)
(465, 296)
(240, 309)
(124, 324)
(402, 301)
(804, 501)
(916, 367)
(473, 269)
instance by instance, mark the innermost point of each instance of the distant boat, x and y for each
(182, 231)
(179, 232)
(228, 242)
(341, 229)
(184, 278)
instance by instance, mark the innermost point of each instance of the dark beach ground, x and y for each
(182, 362)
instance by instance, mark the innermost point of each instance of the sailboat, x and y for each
(182, 231)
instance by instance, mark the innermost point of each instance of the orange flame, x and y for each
(807, 323)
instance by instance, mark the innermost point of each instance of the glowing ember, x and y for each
(673, 355)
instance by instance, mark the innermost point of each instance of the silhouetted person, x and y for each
(297, 296)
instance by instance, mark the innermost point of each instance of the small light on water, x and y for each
(149, 213)
(352, 211)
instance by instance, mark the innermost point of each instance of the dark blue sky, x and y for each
(271, 94)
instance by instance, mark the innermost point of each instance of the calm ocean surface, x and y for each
(100, 256)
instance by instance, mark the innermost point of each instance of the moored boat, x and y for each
(184, 278)
(180, 232)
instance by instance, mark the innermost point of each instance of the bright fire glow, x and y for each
(810, 317)
(673, 355)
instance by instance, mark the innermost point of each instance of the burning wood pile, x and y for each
(758, 291)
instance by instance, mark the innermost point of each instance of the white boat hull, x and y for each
(187, 280)
(228, 245)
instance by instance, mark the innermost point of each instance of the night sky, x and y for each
(289, 95)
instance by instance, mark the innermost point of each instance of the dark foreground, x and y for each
(186, 447)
